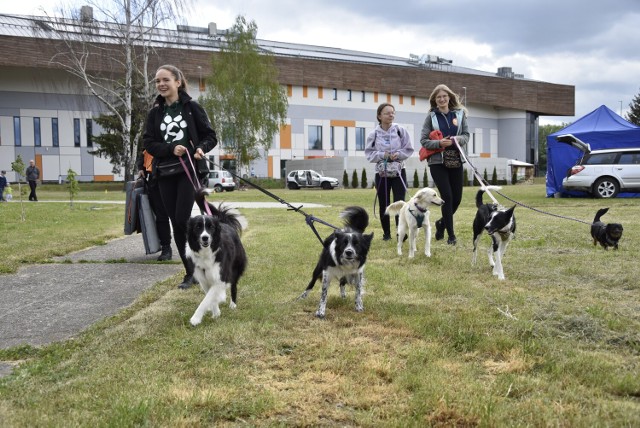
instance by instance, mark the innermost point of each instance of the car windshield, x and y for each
(226, 174)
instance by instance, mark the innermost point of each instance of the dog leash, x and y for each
(485, 185)
(310, 219)
(193, 180)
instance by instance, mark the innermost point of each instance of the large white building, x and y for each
(47, 115)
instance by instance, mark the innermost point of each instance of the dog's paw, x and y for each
(194, 321)
(359, 308)
(427, 253)
(320, 315)
(303, 295)
(232, 305)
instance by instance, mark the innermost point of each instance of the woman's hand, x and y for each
(179, 150)
(199, 154)
(446, 142)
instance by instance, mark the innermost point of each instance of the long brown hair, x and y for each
(454, 99)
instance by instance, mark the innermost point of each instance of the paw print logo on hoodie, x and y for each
(173, 128)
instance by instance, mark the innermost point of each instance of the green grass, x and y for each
(441, 342)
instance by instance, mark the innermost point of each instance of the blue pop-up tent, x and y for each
(602, 129)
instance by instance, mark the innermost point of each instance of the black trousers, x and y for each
(384, 187)
(178, 195)
(449, 182)
(32, 195)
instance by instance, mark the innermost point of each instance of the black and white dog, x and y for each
(605, 234)
(500, 224)
(343, 257)
(214, 246)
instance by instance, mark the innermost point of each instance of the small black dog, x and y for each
(343, 257)
(607, 235)
(500, 225)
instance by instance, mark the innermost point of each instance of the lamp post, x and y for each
(465, 95)
(620, 107)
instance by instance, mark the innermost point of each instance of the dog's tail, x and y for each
(483, 189)
(355, 218)
(394, 208)
(223, 213)
(600, 213)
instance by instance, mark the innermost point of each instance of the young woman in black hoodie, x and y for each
(177, 127)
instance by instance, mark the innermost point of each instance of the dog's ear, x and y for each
(368, 238)
(510, 210)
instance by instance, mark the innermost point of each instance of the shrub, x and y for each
(363, 183)
(354, 179)
(416, 180)
(345, 180)
(425, 178)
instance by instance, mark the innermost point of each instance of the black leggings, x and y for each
(449, 182)
(178, 196)
(384, 186)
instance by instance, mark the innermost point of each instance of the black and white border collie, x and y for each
(343, 257)
(499, 223)
(214, 246)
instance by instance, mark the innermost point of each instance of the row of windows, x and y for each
(55, 134)
(315, 138)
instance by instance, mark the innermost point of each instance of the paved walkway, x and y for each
(46, 303)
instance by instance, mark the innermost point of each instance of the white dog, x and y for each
(414, 215)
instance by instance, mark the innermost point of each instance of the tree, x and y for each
(363, 182)
(416, 179)
(354, 179)
(425, 178)
(130, 22)
(246, 102)
(72, 186)
(18, 167)
(634, 111)
(494, 176)
(345, 179)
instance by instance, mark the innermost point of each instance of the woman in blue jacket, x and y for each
(177, 127)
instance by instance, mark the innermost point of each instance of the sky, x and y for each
(592, 45)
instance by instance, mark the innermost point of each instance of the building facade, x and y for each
(47, 115)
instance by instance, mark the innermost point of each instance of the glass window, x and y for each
(17, 133)
(629, 159)
(360, 138)
(55, 136)
(89, 125)
(346, 138)
(315, 137)
(363, 98)
(601, 159)
(37, 137)
(76, 132)
(332, 138)
(348, 94)
(335, 93)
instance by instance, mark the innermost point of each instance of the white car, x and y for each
(221, 180)
(602, 173)
(308, 178)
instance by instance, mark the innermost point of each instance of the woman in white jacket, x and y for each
(387, 147)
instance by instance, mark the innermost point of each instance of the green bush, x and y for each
(354, 179)
(416, 180)
(345, 180)
(425, 178)
(363, 183)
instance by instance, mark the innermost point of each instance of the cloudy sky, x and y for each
(592, 45)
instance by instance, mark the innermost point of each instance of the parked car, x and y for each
(221, 180)
(602, 173)
(309, 178)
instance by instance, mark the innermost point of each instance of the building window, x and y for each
(332, 138)
(363, 96)
(348, 94)
(335, 93)
(37, 137)
(360, 138)
(17, 134)
(315, 137)
(76, 132)
(55, 136)
(89, 125)
(346, 138)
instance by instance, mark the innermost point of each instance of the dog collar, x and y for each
(422, 210)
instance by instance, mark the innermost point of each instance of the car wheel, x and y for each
(605, 188)
(326, 185)
(293, 186)
(217, 188)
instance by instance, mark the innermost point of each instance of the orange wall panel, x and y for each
(285, 137)
(103, 177)
(346, 123)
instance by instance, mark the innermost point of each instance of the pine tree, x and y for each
(345, 179)
(494, 176)
(425, 178)
(465, 179)
(364, 178)
(416, 180)
(354, 179)
(634, 111)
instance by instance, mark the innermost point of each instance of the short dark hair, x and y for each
(380, 107)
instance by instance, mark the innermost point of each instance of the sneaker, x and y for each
(187, 282)
(451, 240)
(166, 253)
(440, 230)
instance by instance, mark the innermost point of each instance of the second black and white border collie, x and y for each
(500, 225)
(214, 246)
(343, 257)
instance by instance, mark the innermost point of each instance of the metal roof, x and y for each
(211, 39)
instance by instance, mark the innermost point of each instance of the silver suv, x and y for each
(221, 180)
(309, 178)
(602, 173)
